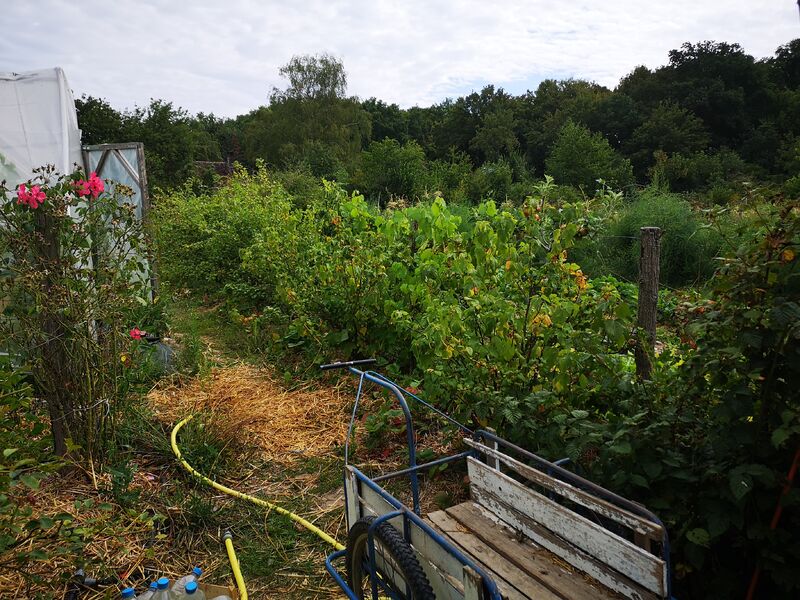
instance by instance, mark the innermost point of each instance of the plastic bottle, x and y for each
(162, 590)
(149, 592)
(128, 593)
(180, 585)
(192, 592)
(223, 597)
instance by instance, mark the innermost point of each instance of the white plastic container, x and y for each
(192, 592)
(180, 585)
(163, 592)
(149, 593)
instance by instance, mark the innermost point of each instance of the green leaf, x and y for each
(9, 451)
(699, 536)
(741, 484)
(622, 447)
(779, 436)
(615, 331)
(652, 468)
(31, 481)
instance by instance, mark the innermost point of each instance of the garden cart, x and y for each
(531, 528)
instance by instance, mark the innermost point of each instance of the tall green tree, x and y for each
(311, 121)
(99, 122)
(312, 77)
(670, 129)
(580, 157)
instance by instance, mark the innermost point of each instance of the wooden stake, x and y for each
(648, 299)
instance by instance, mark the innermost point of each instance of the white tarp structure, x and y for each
(39, 127)
(38, 124)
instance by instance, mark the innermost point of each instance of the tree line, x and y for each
(712, 115)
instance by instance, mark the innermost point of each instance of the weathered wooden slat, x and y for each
(533, 560)
(512, 582)
(473, 586)
(542, 536)
(642, 567)
(620, 515)
(351, 492)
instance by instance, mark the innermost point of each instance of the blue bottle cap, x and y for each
(128, 593)
(153, 585)
(191, 587)
(197, 571)
(163, 583)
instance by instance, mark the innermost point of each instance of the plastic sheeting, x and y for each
(120, 164)
(38, 124)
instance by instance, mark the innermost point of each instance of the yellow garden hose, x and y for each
(236, 494)
(237, 571)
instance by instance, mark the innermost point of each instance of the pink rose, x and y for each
(81, 187)
(136, 333)
(37, 197)
(32, 197)
(96, 185)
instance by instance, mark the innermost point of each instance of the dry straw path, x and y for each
(246, 403)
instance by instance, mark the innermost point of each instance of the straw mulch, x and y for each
(246, 404)
(119, 544)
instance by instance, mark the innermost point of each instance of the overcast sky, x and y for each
(223, 56)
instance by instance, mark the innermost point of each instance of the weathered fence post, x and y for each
(648, 299)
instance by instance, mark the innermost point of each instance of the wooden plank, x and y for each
(624, 517)
(533, 560)
(610, 549)
(473, 584)
(433, 558)
(494, 462)
(372, 503)
(580, 560)
(512, 582)
(353, 507)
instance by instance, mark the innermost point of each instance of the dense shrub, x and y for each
(688, 247)
(72, 274)
(701, 171)
(200, 238)
(491, 180)
(392, 169)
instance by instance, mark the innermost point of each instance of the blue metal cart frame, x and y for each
(365, 493)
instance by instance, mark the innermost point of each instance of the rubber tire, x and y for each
(394, 544)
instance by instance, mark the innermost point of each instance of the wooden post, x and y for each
(648, 299)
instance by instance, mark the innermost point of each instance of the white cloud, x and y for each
(223, 57)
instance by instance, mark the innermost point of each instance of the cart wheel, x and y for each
(399, 573)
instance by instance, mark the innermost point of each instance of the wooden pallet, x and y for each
(520, 568)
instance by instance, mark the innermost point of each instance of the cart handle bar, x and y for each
(349, 363)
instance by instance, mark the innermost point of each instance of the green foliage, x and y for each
(710, 443)
(670, 129)
(483, 308)
(393, 170)
(312, 77)
(580, 157)
(72, 282)
(486, 290)
(490, 180)
(27, 530)
(688, 247)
